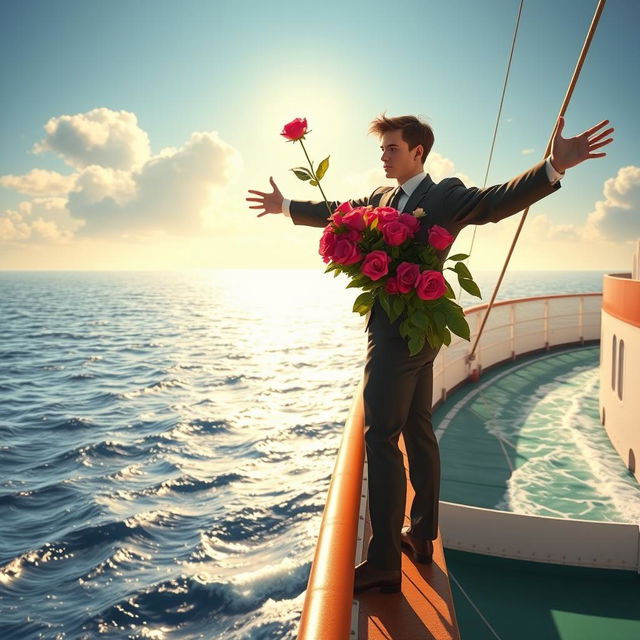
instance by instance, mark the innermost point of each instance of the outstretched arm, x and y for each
(304, 212)
(314, 213)
(478, 206)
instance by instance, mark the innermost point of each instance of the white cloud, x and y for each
(543, 229)
(119, 189)
(617, 217)
(40, 182)
(526, 152)
(172, 192)
(439, 168)
(101, 136)
(39, 220)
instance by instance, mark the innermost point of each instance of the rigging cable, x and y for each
(495, 129)
(563, 108)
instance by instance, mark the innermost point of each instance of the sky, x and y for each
(132, 131)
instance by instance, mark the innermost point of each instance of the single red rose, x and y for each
(391, 285)
(346, 250)
(430, 285)
(345, 207)
(376, 264)
(295, 129)
(439, 237)
(354, 219)
(407, 274)
(410, 221)
(386, 215)
(327, 244)
(394, 233)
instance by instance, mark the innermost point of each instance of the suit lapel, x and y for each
(419, 192)
(386, 198)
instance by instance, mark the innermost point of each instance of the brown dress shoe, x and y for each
(421, 550)
(368, 577)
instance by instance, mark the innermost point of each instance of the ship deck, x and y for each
(489, 431)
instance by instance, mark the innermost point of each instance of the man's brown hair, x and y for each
(414, 131)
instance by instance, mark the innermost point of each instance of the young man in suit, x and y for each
(398, 387)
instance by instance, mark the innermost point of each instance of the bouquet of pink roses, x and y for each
(377, 248)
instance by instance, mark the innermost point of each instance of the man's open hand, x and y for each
(568, 152)
(270, 202)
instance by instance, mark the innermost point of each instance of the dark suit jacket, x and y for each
(447, 203)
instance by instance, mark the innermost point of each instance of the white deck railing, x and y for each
(516, 327)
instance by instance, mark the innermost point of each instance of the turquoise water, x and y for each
(528, 439)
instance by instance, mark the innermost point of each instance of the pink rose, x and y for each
(439, 237)
(345, 207)
(354, 219)
(395, 233)
(327, 244)
(391, 285)
(387, 214)
(410, 221)
(295, 129)
(376, 264)
(430, 285)
(407, 274)
(348, 232)
(346, 250)
(370, 215)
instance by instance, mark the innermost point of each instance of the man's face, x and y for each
(398, 161)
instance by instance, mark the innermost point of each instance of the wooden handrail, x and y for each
(326, 614)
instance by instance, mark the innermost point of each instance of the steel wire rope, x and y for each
(495, 128)
(563, 108)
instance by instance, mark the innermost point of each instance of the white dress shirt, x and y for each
(410, 185)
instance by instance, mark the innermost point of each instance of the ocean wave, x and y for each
(161, 385)
(186, 600)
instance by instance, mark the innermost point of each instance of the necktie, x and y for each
(396, 198)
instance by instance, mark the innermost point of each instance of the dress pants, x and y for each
(397, 392)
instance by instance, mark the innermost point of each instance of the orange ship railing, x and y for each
(326, 614)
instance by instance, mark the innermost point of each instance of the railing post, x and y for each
(546, 324)
(512, 330)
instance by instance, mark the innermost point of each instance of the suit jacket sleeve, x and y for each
(315, 213)
(471, 205)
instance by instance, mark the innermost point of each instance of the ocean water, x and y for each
(166, 444)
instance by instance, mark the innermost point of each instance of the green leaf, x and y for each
(458, 325)
(420, 319)
(359, 281)
(363, 303)
(439, 320)
(450, 293)
(470, 287)
(313, 183)
(462, 270)
(404, 329)
(446, 337)
(302, 173)
(433, 338)
(415, 345)
(384, 301)
(397, 304)
(458, 256)
(322, 168)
